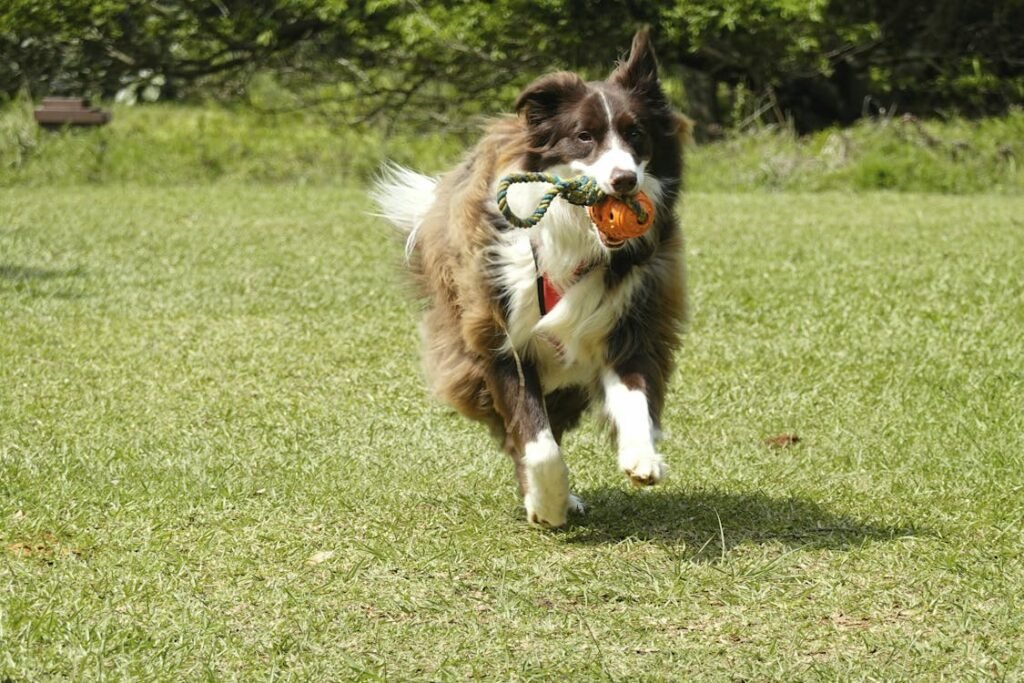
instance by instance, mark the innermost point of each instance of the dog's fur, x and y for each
(488, 350)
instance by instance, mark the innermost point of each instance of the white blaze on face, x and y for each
(614, 157)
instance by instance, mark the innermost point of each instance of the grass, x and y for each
(176, 144)
(217, 460)
(903, 154)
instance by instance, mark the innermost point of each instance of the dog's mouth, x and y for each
(609, 243)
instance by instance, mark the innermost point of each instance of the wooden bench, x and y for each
(56, 112)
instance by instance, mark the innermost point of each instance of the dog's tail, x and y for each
(403, 197)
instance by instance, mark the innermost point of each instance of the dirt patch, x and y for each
(782, 441)
(46, 548)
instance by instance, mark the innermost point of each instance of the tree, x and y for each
(817, 61)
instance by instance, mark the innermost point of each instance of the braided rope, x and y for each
(581, 191)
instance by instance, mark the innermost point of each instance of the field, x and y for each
(217, 459)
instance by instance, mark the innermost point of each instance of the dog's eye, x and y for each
(635, 135)
(585, 136)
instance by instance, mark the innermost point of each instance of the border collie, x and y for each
(525, 329)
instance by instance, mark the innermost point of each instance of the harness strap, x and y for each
(548, 295)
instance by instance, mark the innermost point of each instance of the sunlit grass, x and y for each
(217, 459)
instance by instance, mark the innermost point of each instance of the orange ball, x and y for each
(616, 220)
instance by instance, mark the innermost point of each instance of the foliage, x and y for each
(99, 47)
(818, 62)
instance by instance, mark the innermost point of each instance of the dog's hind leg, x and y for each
(565, 408)
(543, 475)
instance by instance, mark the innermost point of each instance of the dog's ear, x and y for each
(640, 70)
(542, 99)
(639, 75)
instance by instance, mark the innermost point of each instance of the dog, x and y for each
(525, 329)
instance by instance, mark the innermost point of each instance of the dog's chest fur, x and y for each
(568, 343)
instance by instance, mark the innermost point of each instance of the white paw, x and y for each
(547, 496)
(548, 511)
(551, 514)
(643, 469)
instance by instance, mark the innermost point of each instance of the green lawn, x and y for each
(205, 392)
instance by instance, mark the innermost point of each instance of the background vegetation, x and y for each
(814, 62)
(188, 144)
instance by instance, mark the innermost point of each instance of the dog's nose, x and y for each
(623, 181)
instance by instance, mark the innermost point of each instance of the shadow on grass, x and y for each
(9, 271)
(713, 522)
(36, 282)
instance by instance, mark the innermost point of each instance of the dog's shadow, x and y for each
(707, 524)
(30, 280)
(14, 273)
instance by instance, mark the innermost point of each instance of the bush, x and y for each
(901, 153)
(177, 144)
(174, 144)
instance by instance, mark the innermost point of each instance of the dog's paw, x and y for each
(549, 512)
(643, 469)
(546, 482)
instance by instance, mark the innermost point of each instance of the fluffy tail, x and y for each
(403, 197)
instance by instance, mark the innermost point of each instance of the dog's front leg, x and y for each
(543, 475)
(629, 408)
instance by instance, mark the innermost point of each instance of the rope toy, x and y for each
(618, 219)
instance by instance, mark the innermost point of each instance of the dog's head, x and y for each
(621, 131)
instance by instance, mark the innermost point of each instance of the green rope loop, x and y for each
(581, 191)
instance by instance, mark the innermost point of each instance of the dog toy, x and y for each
(617, 218)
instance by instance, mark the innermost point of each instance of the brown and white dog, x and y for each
(525, 329)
